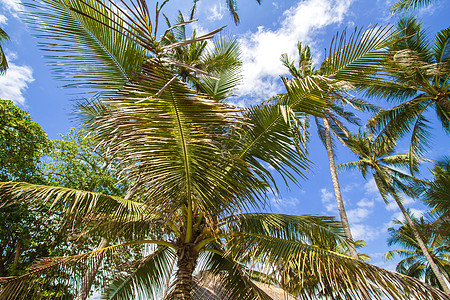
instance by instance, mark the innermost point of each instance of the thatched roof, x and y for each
(210, 290)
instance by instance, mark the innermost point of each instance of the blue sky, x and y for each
(265, 32)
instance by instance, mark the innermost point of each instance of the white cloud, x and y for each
(261, 50)
(366, 203)
(350, 187)
(371, 190)
(328, 200)
(416, 213)
(3, 19)
(364, 232)
(371, 187)
(12, 6)
(326, 196)
(332, 207)
(284, 204)
(216, 12)
(392, 206)
(15, 82)
(358, 214)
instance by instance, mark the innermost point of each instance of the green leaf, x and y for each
(146, 280)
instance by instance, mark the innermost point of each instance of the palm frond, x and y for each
(59, 270)
(443, 113)
(173, 139)
(70, 201)
(404, 5)
(395, 123)
(3, 63)
(222, 86)
(232, 7)
(441, 46)
(343, 276)
(420, 140)
(289, 227)
(412, 37)
(145, 280)
(89, 42)
(321, 133)
(360, 105)
(348, 166)
(256, 145)
(351, 59)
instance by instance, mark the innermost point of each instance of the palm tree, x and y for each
(3, 62)
(436, 194)
(376, 156)
(214, 70)
(414, 263)
(196, 166)
(418, 77)
(337, 98)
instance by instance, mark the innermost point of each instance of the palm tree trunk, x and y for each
(444, 102)
(17, 253)
(337, 191)
(187, 259)
(422, 245)
(89, 277)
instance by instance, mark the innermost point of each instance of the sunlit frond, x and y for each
(173, 139)
(72, 202)
(355, 58)
(290, 227)
(3, 63)
(333, 272)
(404, 5)
(90, 42)
(145, 279)
(60, 270)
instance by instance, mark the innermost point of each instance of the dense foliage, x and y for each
(161, 195)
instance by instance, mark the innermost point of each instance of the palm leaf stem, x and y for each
(189, 219)
(206, 241)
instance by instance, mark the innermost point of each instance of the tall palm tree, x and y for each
(414, 263)
(197, 167)
(336, 94)
(436, 194)
(3, 62)
(376, 156)
(419, 77)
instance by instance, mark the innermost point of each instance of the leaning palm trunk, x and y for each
(422, 245)
(88, 279)
(337, 191)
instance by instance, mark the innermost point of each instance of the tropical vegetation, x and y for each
(336, 95)
(166, 185)
(419, 79)
(379, 159)
(414, 263)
